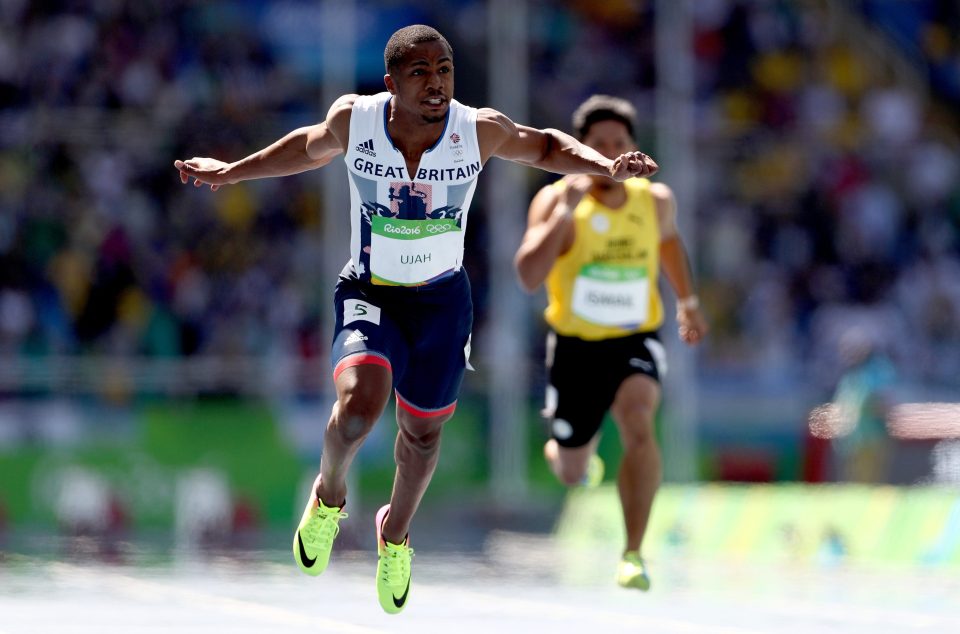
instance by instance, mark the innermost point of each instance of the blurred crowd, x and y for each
(829, 197)
(827, 170)
(101, 250)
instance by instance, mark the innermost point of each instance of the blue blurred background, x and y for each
(164, 350)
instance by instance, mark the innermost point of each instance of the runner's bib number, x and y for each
(413, 251)
(612, 295)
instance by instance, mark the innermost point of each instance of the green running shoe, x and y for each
(393, 569)
(631, 573)
(314, 537)
(594, 475)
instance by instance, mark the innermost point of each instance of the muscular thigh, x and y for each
(437, 328)
(366, 330)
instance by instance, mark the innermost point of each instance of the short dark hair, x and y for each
(603, 108)
(399, 43)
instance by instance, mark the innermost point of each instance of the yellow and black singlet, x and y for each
(605, 286)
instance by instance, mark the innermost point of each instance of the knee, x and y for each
(637, 431)
(355, 417)
(571, 475)
(569, 467)
(424, 440)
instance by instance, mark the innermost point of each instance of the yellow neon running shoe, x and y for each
(314, 537)
(594, 475)
(393, 569)
(631, 573)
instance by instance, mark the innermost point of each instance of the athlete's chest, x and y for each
(626, 235)
(452, 159)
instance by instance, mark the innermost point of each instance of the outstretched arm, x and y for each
(550, 230)
(303, 149)
(553, 150)
(676, 266)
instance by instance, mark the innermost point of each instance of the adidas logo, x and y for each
(366, 147)
(355, 337)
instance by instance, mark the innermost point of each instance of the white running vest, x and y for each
(409, 231)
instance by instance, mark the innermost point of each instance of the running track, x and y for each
(515, 582)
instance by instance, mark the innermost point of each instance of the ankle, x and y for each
(323, 498)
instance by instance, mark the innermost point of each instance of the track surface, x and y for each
(516, 582)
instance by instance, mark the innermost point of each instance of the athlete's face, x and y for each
(422, 84)
(610, 138)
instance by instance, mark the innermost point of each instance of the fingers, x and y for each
(637, 164)
(642, 165)
(690, 336)
(191, 168)
(652, 165)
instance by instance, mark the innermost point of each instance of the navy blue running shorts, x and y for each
(420, 333)
(584, 377)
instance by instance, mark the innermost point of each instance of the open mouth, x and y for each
(435, 102)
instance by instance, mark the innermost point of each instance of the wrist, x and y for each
(690, 302)
(231, 171)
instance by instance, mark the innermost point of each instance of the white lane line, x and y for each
(144, 589)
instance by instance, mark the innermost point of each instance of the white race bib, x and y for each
(609, 295)
(413, 251)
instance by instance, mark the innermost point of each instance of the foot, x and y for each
(314, 537)
(594, 475)
(632, 573)
(393, 569)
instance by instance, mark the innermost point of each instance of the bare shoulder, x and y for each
(338, 117)
(488, 118)
(342, 108)
(493, 129)
(666, 208)
(661, 192)
(543, 204)
(548, 194)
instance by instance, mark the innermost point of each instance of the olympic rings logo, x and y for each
(416, 231)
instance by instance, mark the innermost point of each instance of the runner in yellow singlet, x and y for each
(599, 246)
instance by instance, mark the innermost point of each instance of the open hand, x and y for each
(633, 164)
(204, 171)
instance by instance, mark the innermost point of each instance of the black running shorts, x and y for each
(584, 377)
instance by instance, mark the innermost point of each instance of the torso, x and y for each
(409, 213)
(605, 285)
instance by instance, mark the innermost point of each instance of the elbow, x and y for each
(528, 285)
(527, 279)
(550, 144)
